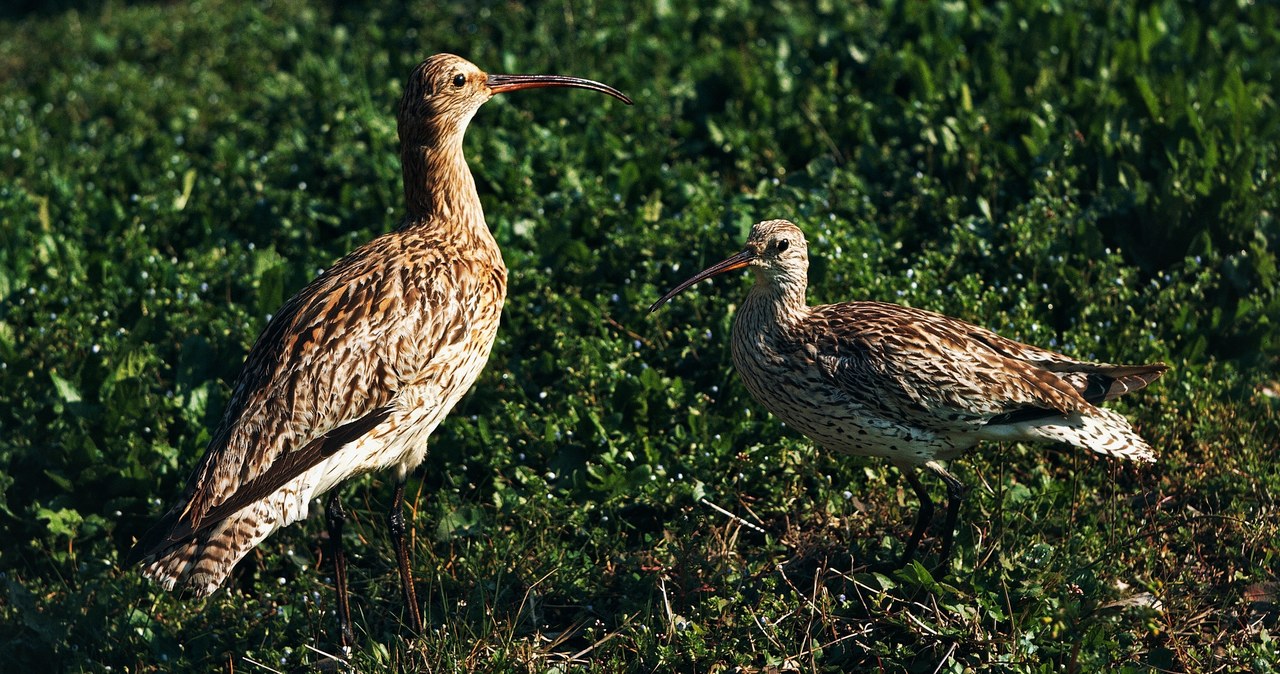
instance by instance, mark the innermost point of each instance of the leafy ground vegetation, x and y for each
(1098, 177)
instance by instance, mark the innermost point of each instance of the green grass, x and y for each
(1098, 178)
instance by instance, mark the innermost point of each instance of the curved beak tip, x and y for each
(502, 83)
(735, 262)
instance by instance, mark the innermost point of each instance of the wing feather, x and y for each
(940, 367)
(319, 376)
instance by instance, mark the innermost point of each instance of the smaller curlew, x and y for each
(354, 372)
(912, 386)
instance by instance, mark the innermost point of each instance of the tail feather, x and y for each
(201, 562)
(1133, 378)
(1099, 430)
(1098, 383)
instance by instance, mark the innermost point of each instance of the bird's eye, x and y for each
(782, 245)
(459, 80)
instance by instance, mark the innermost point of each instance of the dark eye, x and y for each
(782, 245)
(459, 80)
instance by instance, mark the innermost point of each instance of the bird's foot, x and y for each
(938, 572)
(883, 567)
(334, 663)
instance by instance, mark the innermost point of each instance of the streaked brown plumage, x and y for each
(355, 371)
(912, 386)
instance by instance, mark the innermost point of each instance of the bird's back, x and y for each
(881, 379)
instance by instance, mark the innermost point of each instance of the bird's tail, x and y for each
(1099, 430)
(1100, 382)
(201, 562)
(1129, 378)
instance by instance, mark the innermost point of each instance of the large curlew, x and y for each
(354, 372)
(909, 385)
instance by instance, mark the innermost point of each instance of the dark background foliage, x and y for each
(1093, 177)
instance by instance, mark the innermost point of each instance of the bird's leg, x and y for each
(955, 495)
(923, 519)
(395, 522)
(335, 516)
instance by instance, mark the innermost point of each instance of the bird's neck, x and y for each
(438, 186)
(776, 303)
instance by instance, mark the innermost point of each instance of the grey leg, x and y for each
(395, 522)
(336, 517)
(923, 518)
(955, 495)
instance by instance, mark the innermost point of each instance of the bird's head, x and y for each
(444, 92)
(775, 250)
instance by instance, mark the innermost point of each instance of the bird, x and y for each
(915, 387)
(355, 371)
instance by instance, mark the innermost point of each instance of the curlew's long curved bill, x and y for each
(736, 262)
(502, 83)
